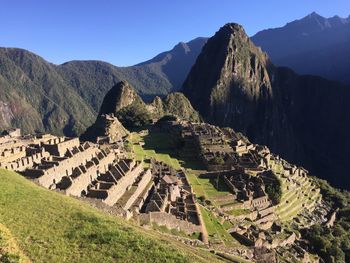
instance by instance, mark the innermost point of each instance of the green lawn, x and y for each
(216, 231)
(142, 154)
(50, 227)
(239, 211)
(160, 142)
(196, 185)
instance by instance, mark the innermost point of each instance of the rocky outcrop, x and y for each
(122, 95)
(107, 128)
(233, 83)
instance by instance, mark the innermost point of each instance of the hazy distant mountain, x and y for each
(302, 118)
(176, 63)
(312, 45)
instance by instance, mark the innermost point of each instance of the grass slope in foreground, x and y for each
(50, 227)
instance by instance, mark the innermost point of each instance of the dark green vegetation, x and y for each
(332, 244)
(217, 160)
(301, 118)
(37, 95)
(50, 227)
(312, 45)
(273, 189)
(134, 116)
(34, 96)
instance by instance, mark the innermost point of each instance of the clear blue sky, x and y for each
(131, 31)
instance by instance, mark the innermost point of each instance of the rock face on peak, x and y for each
(107, 128)
(234, 84)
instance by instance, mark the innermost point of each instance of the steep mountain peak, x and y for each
(314, 15)
(229, 67)
(118, 97)
(182, 47)
(231, 28)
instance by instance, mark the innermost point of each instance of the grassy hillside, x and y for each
(50, 227)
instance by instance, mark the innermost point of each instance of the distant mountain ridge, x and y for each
(312, 45)
(177, 62)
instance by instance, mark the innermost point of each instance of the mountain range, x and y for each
(39, 96)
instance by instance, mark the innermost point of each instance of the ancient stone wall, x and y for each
(52, 171)
(59, 146)
(259, 203)
(118, 189)
(5, 138)
(81, 178)
(146, 178)
(25, 162)
(10, 155)
(171, 222)
(142, 198)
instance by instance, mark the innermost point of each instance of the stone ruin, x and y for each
(171, 202)
(244, 168)
(225, 145)
(156, 194)
(106, 129)
(101, 172)
(250, 190)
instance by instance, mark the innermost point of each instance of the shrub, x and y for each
(217, 160)
(134, 116)
(273, 189)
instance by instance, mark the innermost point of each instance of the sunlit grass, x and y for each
(50, 227)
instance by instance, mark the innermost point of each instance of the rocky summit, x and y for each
(120, 96)
(233, 83)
